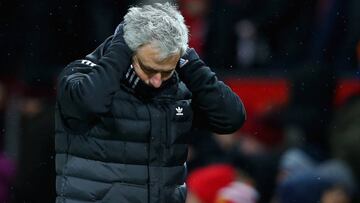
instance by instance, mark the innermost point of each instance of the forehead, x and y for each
(149, 56)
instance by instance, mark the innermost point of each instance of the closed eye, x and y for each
(150, 71)
(147, 70)
(167, 73)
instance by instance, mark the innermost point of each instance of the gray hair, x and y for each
(159, 24)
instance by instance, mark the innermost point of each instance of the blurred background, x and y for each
(295, 64)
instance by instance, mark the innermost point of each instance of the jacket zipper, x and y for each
(148, 154)
(167, 125)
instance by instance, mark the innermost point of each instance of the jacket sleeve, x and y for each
(216, 106)
(86, 87)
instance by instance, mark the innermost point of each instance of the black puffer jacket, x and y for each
(118, 144)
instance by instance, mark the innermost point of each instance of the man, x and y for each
(123, 112)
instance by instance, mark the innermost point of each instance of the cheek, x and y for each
(166, 77)
(143, 76)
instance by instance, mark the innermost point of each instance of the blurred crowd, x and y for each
(305, 150)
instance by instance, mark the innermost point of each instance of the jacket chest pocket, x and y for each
(178, 121)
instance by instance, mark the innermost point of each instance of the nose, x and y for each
(155, 80)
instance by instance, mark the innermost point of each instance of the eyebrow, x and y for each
(148, 68)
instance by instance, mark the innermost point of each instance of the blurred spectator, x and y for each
(250, 49)
(325, 182)
(293, 162)
(204, 183)
(345, 135)
(303, 188)
(237, 192)
(244, 153)
(219, 183)
(335, 195)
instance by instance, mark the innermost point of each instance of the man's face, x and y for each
(150, 69)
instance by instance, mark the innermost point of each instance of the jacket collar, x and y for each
(167, 91)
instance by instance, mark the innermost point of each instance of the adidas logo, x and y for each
(179, 111)
(183, 62)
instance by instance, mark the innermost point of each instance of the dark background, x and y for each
(309, 49)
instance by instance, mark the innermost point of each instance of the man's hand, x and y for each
(189, 56)
(118, 38)
(216, 106)
(189, 63)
